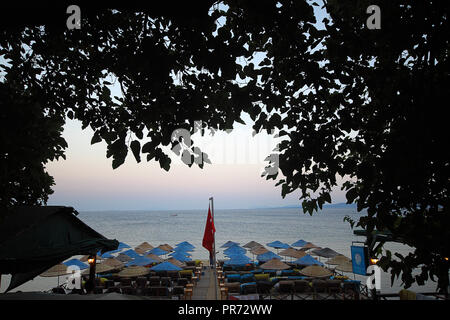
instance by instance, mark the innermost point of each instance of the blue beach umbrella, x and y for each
(185, 244)
(269, 255)
(181, 257)
(140, 261)
(307, 261)
(77, 263)
(105, 255)
(121, 246)
(158, 251)
(229, 244)
(299, 243)
(237, 261)
(165, 266)
(234, 249)
(278, 245)
(132, 254)
(179, 252)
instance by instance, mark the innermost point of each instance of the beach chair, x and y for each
(302, 289)
(129, 290)
(125, 282)
(154, 281)
(350, 290)
(182, 282)
(141, 282)
(248, 288)
(178, 291)
(333, 288)
(233, 287)
(166, 282)
(173, 275)
(285, 289)
(109, 283)
(320, 289)
(58, 290)
(113, 289)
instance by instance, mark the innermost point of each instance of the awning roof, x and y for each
(35, 238)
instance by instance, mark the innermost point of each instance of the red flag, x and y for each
(208, 237)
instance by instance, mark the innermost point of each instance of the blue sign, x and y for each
(359, 260)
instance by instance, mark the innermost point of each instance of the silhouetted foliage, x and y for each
(363, 104)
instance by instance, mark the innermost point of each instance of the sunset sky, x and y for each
(86, 180)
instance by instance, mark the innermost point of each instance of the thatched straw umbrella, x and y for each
(154, 257)
(114, 263)
(252, 244)
(309, 245)
(293, 253)
(165, 247)
(56, 271)
(258, 250)
(134, 271)
(101, 268)
(316, 271)
(345, 267)
(176, 262)
(274, 264)
(145, 246)
(338, 260)
(123, 257)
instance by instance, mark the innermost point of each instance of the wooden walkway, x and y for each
(206, 288)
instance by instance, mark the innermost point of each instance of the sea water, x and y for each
(325, 228)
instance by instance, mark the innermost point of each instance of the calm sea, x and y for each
(325, 229)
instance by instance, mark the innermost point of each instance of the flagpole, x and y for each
(214, 248)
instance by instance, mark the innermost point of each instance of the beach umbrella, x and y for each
(154, 257)
(144, 246)
(310, 245)
(176, 262)
(299, 243)
(121, 247)
(123, 257)
(158, 251)
(131, 253)
(234, 249)
(337, 260)
(307, 260)
(100, 268)
(238, 260)
(76, 262)
(140, 261)
(165, 266)
(229, 244)
(345, 266)
(134, 271)
(293, 253)
(105, 255)
(180, 251)
(267, 256)
(252, 244)
(185, 244)
(274, 264)
(165, 247)
(325, 253)
(181, 257)
(278, 245)
(316, 271)
(258, 250)
(56, 271)
(113, 263)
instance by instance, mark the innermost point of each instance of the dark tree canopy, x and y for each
(351, 102)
